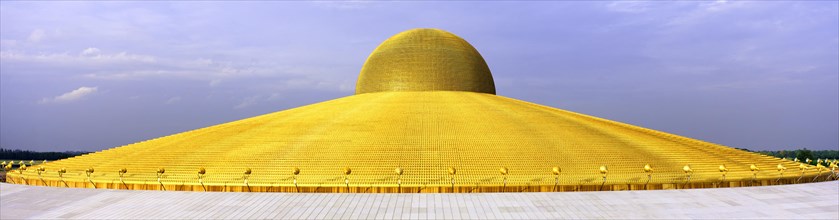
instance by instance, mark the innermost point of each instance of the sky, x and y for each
(88, 76)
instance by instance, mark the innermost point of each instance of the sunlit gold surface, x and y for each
(451, 139)
(425, 60)
(424, 133)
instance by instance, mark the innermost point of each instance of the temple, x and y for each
(425, 118)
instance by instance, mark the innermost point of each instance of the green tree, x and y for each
(803, 154)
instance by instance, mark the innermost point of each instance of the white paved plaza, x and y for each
(802, 201)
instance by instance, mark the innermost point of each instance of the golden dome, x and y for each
(425, 60)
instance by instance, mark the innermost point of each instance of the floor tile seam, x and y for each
(189, 200)
(226, 201)
(268, 202)
(279, 208)
(316, 207)
(92, 204)
(333, 209)
(258, 202)
(297, 209)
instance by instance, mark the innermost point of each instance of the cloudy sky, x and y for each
(91, 76)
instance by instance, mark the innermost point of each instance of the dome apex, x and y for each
(425, 60)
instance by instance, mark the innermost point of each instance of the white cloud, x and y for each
(253, 100)
(628, 6)
(344, 5)
(249, 101)
(95, 63)
(215, 82)
(74, 95)
(347, 86)
(37, 35)
(752, 84)
(273, 96)
(704, 12)
(8, 43)
(89, 56)
(173, 100)
(717, 5)
(91, 51)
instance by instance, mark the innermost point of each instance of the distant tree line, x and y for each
(8, 154)
(803, 154)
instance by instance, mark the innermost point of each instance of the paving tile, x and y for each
(803, 201)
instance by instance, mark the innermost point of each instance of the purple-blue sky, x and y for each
(97, 75)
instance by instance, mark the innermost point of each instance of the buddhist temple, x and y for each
(425, 118)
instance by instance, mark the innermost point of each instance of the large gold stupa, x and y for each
(425, 118)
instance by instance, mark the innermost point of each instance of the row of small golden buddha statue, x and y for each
(604, 170)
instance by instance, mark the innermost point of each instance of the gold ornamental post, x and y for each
(201, 172)
(781, 168)
(7, 168)
(723, 171)
(89, 172)
(245, 176)
(649, 170)
(503, 172)
(754, 170)
(452, 172)
(160, 172)
(603, 171)
(819, 168)
(295, 172)
(688, 172)
(61, 176)
(803, 167)
(347, 172)
(556, 171)
(40, 170)
(399, 172)
(20, 171)
(121, 174)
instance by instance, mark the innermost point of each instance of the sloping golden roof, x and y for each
(441, 141)
(425, 60)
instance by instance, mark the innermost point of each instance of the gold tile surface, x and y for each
(425, 60)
